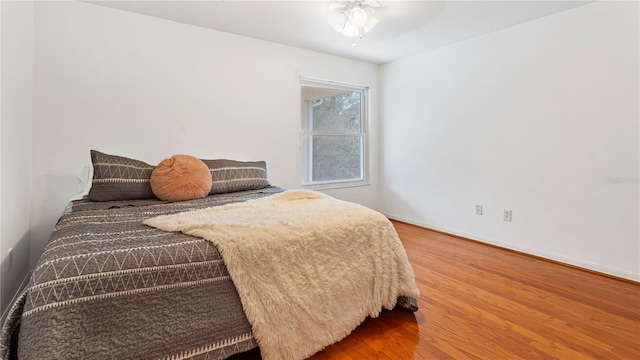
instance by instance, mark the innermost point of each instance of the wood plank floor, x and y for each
(482, 302)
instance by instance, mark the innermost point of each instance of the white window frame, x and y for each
(306, 137)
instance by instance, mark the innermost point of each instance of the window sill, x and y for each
(336, 185)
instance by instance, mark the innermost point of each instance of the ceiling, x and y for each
(405, 28)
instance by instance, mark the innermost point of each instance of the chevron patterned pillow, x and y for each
(231, 175)
(119, 178)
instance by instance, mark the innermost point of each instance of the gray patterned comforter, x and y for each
(109, 287)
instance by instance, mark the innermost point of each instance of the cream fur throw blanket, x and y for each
(309, 268)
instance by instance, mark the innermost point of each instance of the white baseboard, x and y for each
(536, 252)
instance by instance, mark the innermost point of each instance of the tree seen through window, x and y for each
(336, 139)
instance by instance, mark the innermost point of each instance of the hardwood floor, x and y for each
(482, 302)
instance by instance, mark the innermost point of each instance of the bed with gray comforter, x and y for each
(109, 287)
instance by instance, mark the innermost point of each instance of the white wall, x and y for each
(147, 88)
(541, 118)
(15, 143)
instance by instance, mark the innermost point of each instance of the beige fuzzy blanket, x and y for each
(309, 268)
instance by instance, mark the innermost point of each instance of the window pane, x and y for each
(339, 113)
(337, 158)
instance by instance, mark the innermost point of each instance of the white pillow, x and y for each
(84, 182)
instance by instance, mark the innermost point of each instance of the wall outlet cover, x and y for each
(506, 215)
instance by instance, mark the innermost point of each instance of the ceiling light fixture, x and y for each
(354, 18)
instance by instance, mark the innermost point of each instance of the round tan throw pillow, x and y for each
(181, 177)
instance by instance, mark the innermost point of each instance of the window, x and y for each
(334, 137)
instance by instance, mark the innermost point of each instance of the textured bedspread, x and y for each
(109, 287)
(309, 268)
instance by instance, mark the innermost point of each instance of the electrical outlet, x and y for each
(506, 215)
(9, 259)
(478, 209)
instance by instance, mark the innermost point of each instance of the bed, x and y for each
(109, 286)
